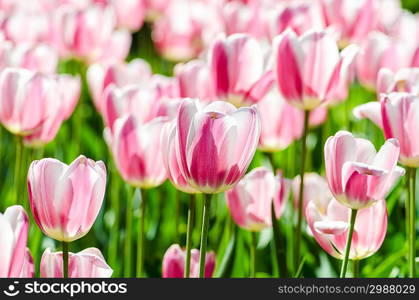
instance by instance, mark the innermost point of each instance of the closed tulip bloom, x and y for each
(174, 263)
(88, 263)
(237, 69)
(129, 13)
(194, 80)
(404, 80)
(41, 58)
(62, 102)
(114, 50)
(99, 76)
(137, 151)
(170, 158)
(316, 189)
(24, 100)
(310, 70)
(82, 32)
(358, 176)
(380, 51)
(66, 199)
(216, 143)
(329, 223)
(13, 237)
(250, 201)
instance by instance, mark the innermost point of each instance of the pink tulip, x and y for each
(310, 70)
(40, 57)
(88, 263)
(66, 93)
(170, 158)
(281, 123)
(99, 76)
(316, 189)
(129, 13)
(329, 223)
(358, 176)
(237, 69)
(114, 50)
(215, 143)
(352, 20)
(194, 80)
(82, 32)
(379, 51)
(155, 8)
(24, 100)
(137, 151)
(250, 201)
(66, 199)
(300, 17)
(28, 267)
(404, 80)
(174, 263)
(13, 236)
(164, 86)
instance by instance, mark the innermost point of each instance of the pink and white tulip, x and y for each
(130, 14)
(40, 57)
(137, 150)
(66, 199)
(404, 80)
(215, 143)
(250, 201)
(99, 76)
(329, 223)
(310, 70)
(358, 176)
(237, 69)
(174, 263)
(28, 268)
(14, 225)
(88, 263)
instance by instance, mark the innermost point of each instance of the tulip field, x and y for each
(209, 138)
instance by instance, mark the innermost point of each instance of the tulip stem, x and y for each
(356, 263)
(278, 243)
(348, 243)
(204, 234)
(141, 236)
(128, 233)
(114, 234)
(412, 222)
(18, 166)
(191, 217)
(65, 259)
(253, 255)
(301, 191)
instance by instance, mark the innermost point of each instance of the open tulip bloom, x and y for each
(358, 176)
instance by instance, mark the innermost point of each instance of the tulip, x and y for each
(352, 20)
(307, 76)
(237, 70)
(156, 8)
(41, 58)
(13, 236)
(404, 80)
(82, 32)
(114, 50)
(380, 51)
(88, 263)
(28, 267)
(316, 189)
(329, 223)
(62, 104)
(173, 263)
(194, 80)
(357, 175)
(129, 13)
(99, 76)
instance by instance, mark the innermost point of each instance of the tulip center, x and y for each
(214, 115)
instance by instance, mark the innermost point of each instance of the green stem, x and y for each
(115, 207)
(279, 245)
(18, 167)
(253, 255)
(412, 222)
(141, 236)
(301, 191)
(65, 259)
(348, 243)
(189, 231)
(204, 234)
(356, 264)
(128, 233)
(177, 215)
